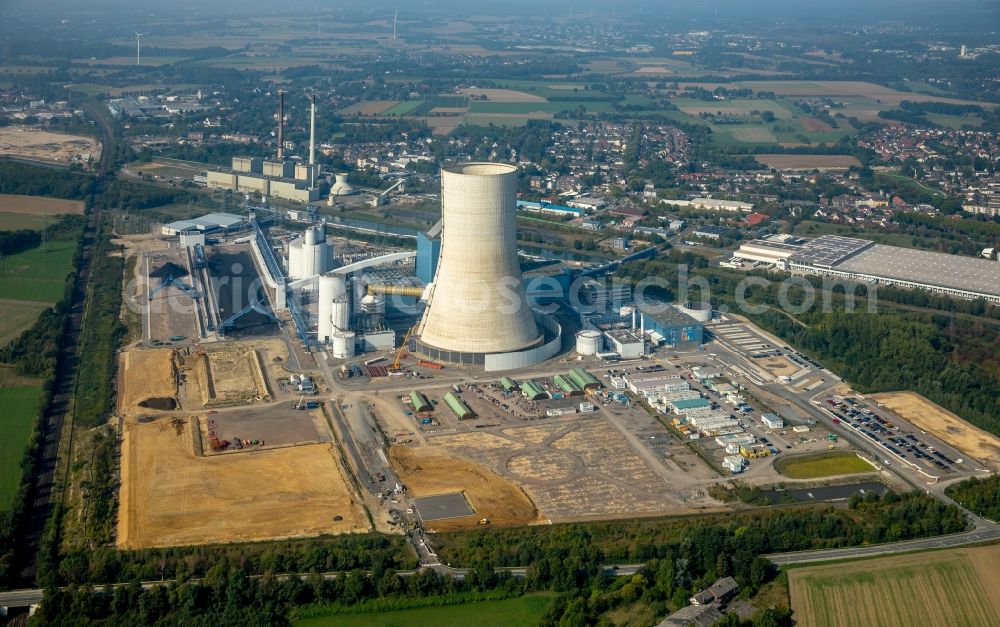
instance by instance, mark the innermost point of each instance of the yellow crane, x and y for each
(402, 347)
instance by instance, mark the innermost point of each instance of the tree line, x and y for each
(981, 496)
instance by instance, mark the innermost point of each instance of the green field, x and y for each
(822, 465)
(954, 588)
(37, 275)
(782, 109)
(20, 408)
(498, 119)
(517, 612)
(954, 121)
(17, 221)
(404, 108)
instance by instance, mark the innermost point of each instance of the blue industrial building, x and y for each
(428, 253)
(665, 324)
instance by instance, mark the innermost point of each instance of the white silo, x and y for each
(331, 288)
(588, 342)
(310, 254)
(478, 303)
(341, 314)
(343, 345)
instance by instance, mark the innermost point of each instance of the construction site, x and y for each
(290, 383)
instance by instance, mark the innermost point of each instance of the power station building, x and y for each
(310, 254)
(477, 307)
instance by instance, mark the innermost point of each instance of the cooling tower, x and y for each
(478, 303)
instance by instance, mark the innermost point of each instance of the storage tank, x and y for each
(373, 304)
(702, 312)
(331, 288)
(588, 342)
(341, 314)
(343, 345)
(479, 304)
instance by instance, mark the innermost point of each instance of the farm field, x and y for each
(954, 588)
(17, 316)
(171, 496)
(368, 107)
(499, 119)
(808, 162)
(592, 106)
(20, 407)
(154, 61)
(32, 143)
(35, 275)
(822, 465)
(781, 110)
(36, 206)
(935, 419)
(502, 95)
(525, 610)
(887, 95)
(404, 108)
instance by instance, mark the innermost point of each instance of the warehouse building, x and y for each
(863, 261)
(208, 223)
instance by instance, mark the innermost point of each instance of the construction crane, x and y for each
(378, 200)
(402, 347)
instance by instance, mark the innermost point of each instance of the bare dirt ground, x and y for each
(935, 419)
(502, 95)
(170, 496)
(816, 125)
(235, 374)
(428, 471)
(38, 205)
(444, 124)
(33, 143)
(986, 561)
(778, 366)
(144, 374)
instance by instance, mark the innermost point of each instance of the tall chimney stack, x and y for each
(281, 124)
(312, 130)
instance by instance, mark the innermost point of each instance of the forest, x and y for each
(680, 555)
(981, 496)
(20, 178)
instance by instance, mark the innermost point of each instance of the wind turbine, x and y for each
(138, 35)
(394, 22)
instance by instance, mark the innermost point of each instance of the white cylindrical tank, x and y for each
(312, 236)
(588, 342)
(295, 259)
(479, 303)
(341, 314)
(331, 288)
(343, 345)
(700, 311)
(373, 304)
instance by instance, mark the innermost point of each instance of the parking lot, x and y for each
(271, 426)
(900, 441)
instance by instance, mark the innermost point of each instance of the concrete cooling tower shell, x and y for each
(478, 303)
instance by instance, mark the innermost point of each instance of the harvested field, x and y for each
(502, 95)
(146, 375)
(170, 496)
(38, 205)
(752, 134)
(952, 588)
(33, 143)
(368, 107)
(778, 366)
(428, 472)
(815, 125)
(807, 162)
(442, 125)
(935, 419)
(18, 316)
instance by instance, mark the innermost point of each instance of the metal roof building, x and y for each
(206, 223)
